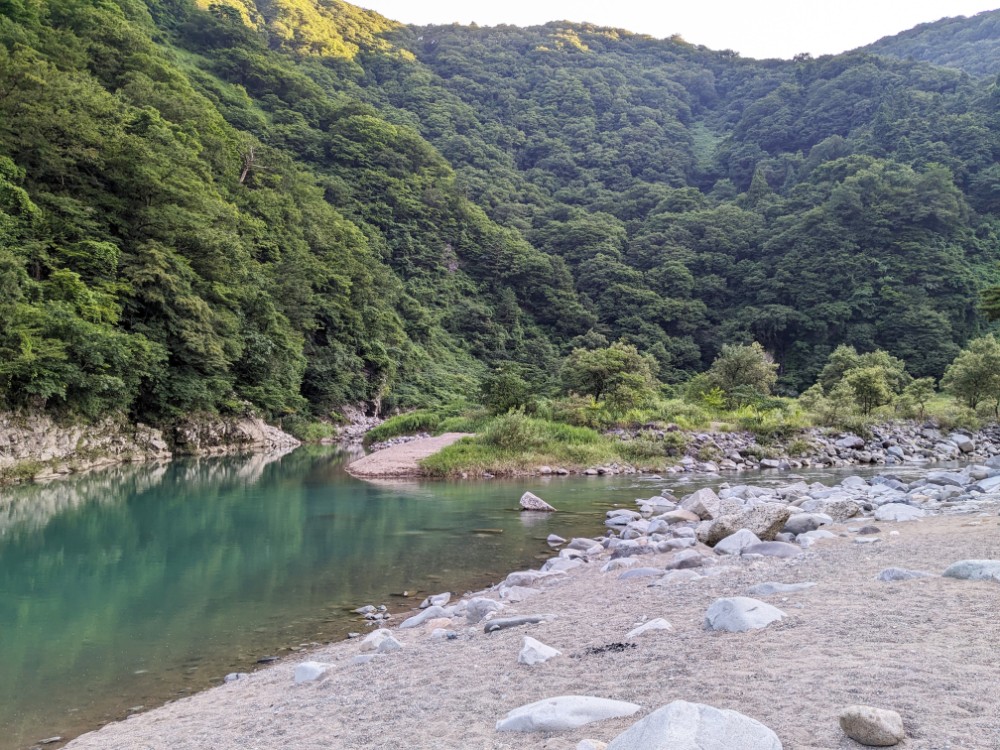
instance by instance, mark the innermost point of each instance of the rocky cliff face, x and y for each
(213, 435)
(35, 446)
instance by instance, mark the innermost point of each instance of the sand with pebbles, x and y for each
(927, 648)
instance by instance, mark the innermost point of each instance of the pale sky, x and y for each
(754, 28)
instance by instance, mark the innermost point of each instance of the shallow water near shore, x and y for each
(132, 586)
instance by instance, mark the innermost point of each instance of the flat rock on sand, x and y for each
(402, 460)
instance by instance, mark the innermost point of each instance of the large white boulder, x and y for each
(694, 726)
(898, 512)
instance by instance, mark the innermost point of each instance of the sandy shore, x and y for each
(927, 648)
(401, 460)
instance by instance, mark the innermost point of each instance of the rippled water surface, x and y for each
(125, 588)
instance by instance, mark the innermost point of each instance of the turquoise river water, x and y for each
(124, 588)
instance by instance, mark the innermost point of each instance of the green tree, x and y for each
(618, 374)
(745, 373)
(504, 389)
(975, 373)
(870, 386)
(919, 393)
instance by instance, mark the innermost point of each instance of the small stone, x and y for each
(738, 614)
(898, 512)
(531, 501)
(365, 658)
(658, 624)
(901, 574)
(875, 727)
(309, 671)
(773, 549)
(770, 588)
(235, 676)
(419, 619)
(535, 652)
(438, 600)
(373, 639)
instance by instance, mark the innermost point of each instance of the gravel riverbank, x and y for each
(924, 647)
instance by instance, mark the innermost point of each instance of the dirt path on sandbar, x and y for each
(402, 460)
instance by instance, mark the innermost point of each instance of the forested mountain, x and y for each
(296, 204)
(970, 44)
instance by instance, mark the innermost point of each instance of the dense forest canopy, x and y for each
(970, 44)
(293, 205)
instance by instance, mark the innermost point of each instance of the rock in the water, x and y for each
(770, 588)
(562, 713)
(734, 544)
(738, 614)
(554, 540)
(694, 726)
(898, 512)
(773, 549)
(901, 574)
(308, 671)
(535, 652)
(974, 570)
(764, 519)
(531, 501)
(875, 727)
(658, 624)
(479, 607)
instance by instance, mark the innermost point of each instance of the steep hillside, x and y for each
(287, 205)
(970, 44)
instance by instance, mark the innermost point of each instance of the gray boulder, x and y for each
(875, 727)
(479, 607)
(974, 570)
(805, 522)
(694, 726)
(640, 573)
(771, 587)
(704, 503)
(563, 712)
(734, 544)
(419, 619)
(898, 512)
(738, 614)
(901, 574)
(531, 501)
(502, 623)
(774, 549)
(763, 519)
(688, 558)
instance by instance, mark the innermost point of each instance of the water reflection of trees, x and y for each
(29, 507)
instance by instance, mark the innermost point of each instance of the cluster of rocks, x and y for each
(400, 440)
(890, 444)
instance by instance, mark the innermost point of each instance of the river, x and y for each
(125, 588)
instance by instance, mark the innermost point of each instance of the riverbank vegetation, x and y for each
(282, 208)
(642, 423)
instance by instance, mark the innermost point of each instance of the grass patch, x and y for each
(515, 444)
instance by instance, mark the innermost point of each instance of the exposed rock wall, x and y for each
(36, 446)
